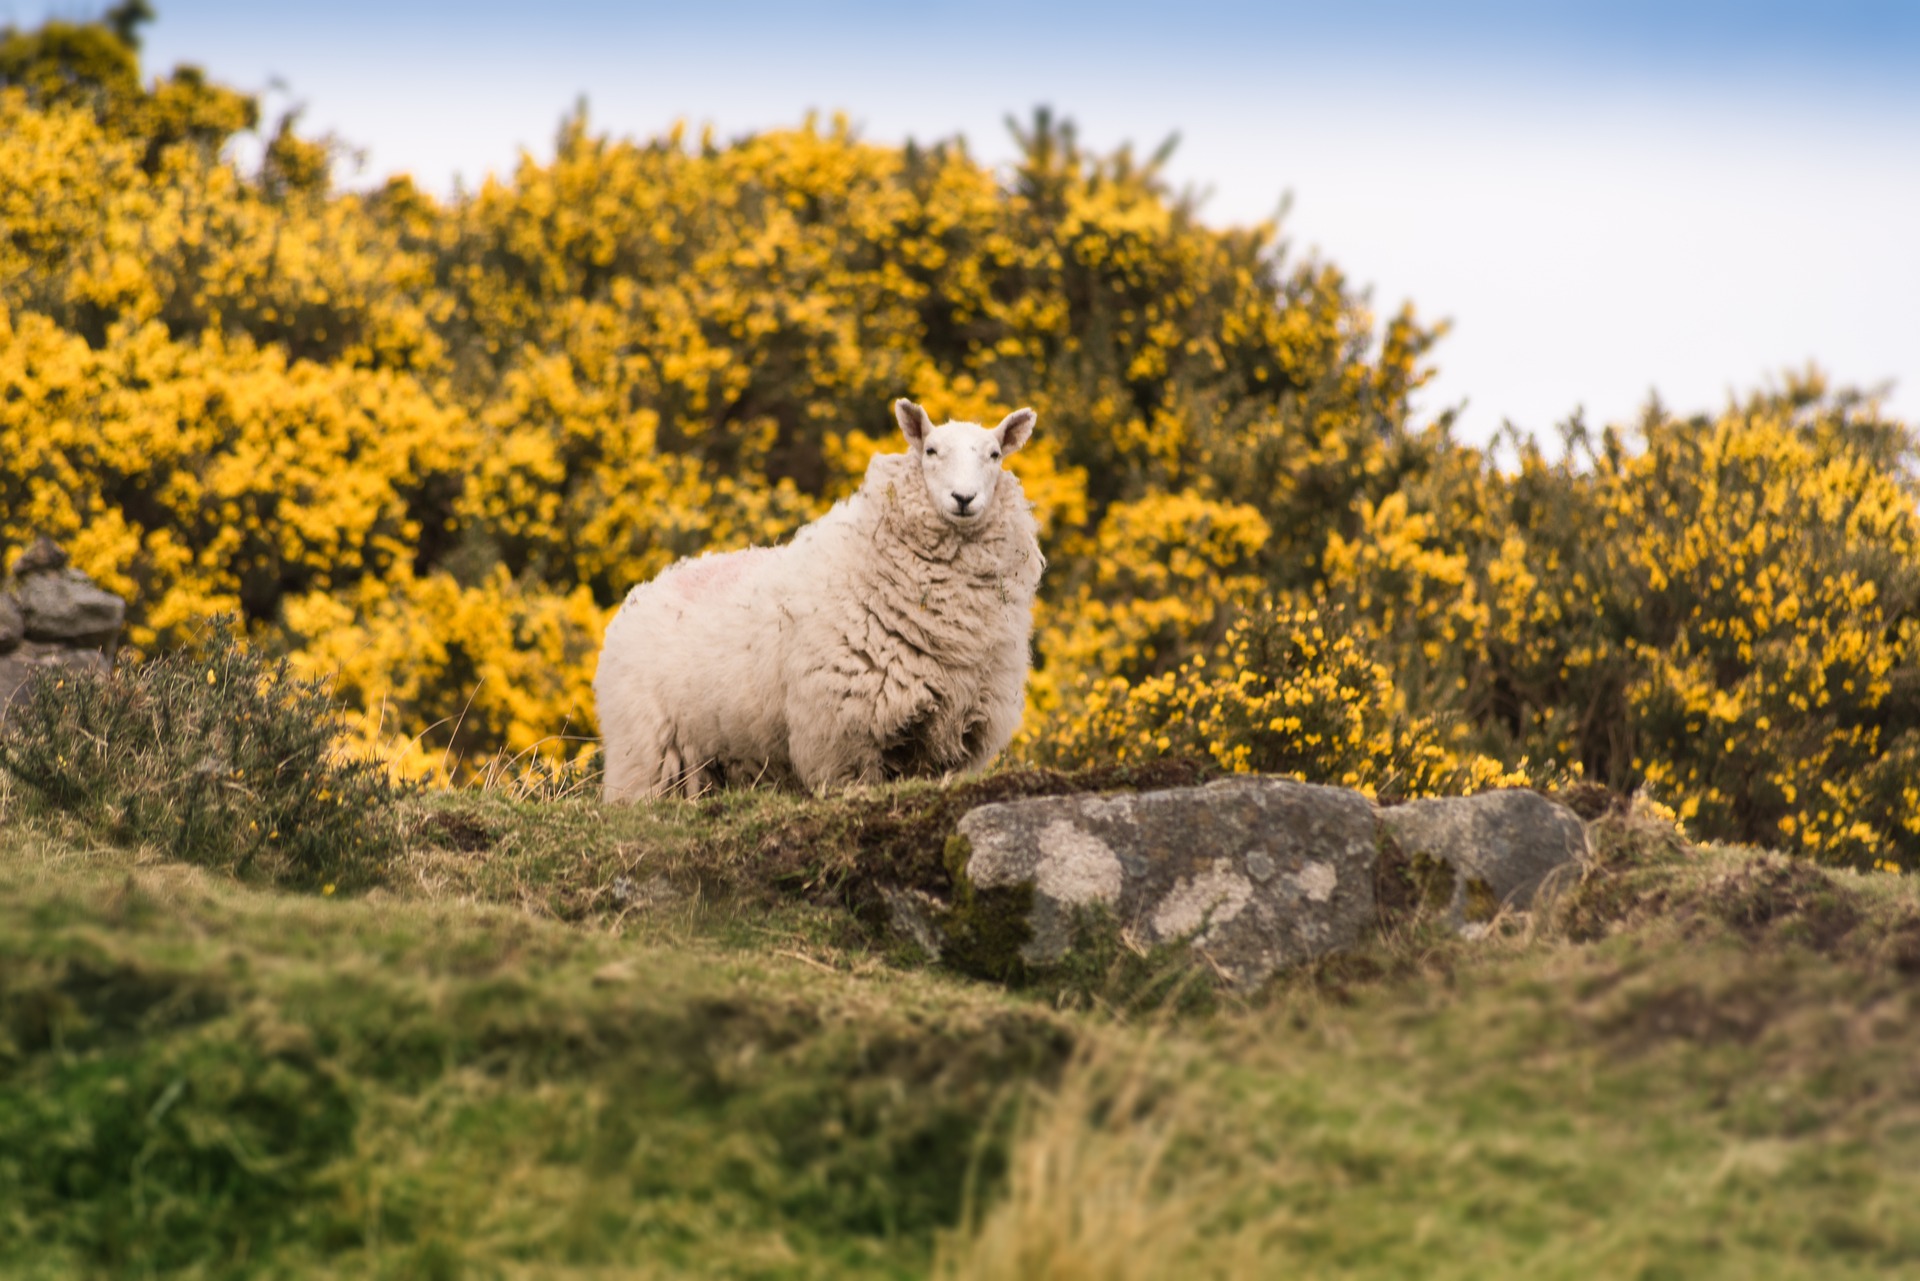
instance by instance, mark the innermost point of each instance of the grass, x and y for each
(231, 1080)
(566, 1040)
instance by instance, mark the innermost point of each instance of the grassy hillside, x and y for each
(563, 1040)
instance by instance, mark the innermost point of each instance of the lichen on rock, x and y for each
(1255, 873)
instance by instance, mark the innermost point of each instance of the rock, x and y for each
(914, 916)
(1481, 854)
(45, 555)
(54, 617)
(13, 625)
(33, 656)
(1254, 873)
(64, 605)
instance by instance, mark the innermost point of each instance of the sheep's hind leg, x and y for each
(701, 778)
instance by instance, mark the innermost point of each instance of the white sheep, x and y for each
(890, 637)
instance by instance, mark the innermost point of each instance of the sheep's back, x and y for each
(699, 647)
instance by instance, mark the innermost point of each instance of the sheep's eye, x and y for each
(932, 452)
(994, 457)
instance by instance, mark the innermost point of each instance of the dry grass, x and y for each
(1090, 1192)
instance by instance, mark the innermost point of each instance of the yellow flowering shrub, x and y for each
(213, 476)
(1292, 689)
(446, 675)
(1397, 570)
(1781, 571)
(1162, 580)
(1725, 613)
(363, 418)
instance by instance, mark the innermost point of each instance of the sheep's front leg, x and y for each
(827, 753)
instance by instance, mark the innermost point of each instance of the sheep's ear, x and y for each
(914, 423)
(1014, 430)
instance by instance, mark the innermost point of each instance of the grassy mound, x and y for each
(200, 1073)
(565, 1040)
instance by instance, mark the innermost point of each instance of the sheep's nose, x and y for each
(962, 501)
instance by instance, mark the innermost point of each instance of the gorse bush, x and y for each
(425, 446)
(217, 755)
(1727, 614)
(1292, 689)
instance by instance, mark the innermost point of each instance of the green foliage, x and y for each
(216, 755)
(142, 1139)
(221, 1080)
(1107, 969)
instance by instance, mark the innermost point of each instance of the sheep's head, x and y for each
(961, 461)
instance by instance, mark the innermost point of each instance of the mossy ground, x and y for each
(565, 1040)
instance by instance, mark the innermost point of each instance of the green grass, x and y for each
(564, 1040)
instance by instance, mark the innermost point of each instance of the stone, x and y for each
(1480, 855)
(13, 624)
(64, 605)
(45, 555)
(32, 656)
(1255, 874)
(913, 915)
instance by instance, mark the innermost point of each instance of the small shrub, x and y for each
(218, 755)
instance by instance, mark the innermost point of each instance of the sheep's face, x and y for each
(961, 461)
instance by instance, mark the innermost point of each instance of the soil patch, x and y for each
(1592, 800)
(453, 830)
(1786, 900)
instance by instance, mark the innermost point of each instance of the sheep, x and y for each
(889, 638)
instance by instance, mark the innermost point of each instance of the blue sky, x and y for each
(1606, 199)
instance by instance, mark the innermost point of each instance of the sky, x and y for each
(1605, 200)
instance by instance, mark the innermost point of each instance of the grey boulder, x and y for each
(54, 617)
(1255, 874)
(64, 605)
(37, 656)
(1476, 856)
(13, 625)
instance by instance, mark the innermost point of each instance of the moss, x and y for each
(1105, 969)
(984, 929)
(1432, 880)
(1482, 904)
(1393, 895)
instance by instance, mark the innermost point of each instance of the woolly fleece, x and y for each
(890, 637)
